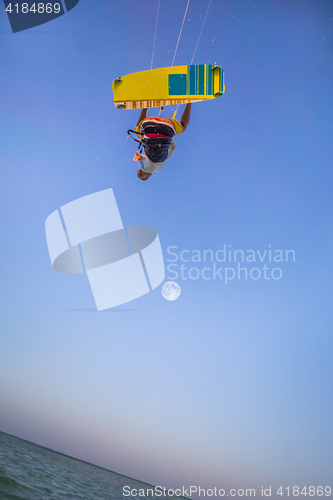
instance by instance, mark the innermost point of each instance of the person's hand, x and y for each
(138, 156)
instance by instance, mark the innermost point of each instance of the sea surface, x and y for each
(32, 472)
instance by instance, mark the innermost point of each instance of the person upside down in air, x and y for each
(158, 140)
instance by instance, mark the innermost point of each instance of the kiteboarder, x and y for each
(156, 136)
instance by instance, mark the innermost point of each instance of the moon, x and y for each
(171, 290)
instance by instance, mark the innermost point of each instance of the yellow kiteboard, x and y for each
(168, 86)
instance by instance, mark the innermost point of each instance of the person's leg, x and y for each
(185, 119)
(142, 116)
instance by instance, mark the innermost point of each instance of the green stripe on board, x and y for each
(212, 80)
(209, 82)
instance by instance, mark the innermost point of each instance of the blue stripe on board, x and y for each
(192, 79)
(209, 79)
(201, 83)
(177, 84)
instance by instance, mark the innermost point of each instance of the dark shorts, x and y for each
(157, 139)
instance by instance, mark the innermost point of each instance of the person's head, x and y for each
(143, 175)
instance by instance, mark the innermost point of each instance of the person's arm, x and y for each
(142, 116)
(185, 119)
(138, 156)
(142, 158)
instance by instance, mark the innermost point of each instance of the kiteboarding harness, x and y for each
(156, 135)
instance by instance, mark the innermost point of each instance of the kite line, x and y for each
(158, 11)
(181, 29)
(203, 24)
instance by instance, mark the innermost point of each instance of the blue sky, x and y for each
(231, 384)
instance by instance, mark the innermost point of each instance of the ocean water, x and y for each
(31, 472)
